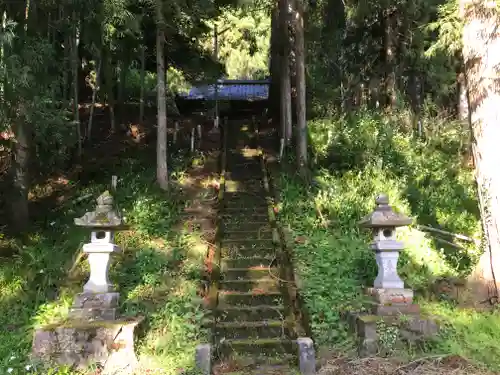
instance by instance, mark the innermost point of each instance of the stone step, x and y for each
(249, 313)
(248, 244)
(233, 251)
(240, 213)
(248, 273)
(238, 216)
(266, 329)
(245, 235)
(245, 226)
(258, 347)
(242, 204)
(262, 285)
(245, 195)
(227, 298)
(284, 364)
(246, 262)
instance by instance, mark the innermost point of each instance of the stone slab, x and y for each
(390, 296)
(411, 328)
(307, 356)
(92, 314)
(395, 309)
(203, 358)
(96, 300)
(81, 344)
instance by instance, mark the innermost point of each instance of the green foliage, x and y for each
(157, 273)
(243, 43)
(358, 157)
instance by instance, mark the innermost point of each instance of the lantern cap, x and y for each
(384, 216)
(104, 216)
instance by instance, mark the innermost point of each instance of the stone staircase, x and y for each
(253, 329)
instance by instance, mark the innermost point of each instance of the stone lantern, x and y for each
(99, 300)
(388, 288)
(390, 300)
(93, 334)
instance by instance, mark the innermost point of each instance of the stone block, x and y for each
(94, 306)
(390, 296)
(203, 358)
(96, 300)
(395, 309)
(92, 314)
(82, 344)
(411, 328)
(307, 357)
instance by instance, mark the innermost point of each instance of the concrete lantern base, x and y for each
(82, 344)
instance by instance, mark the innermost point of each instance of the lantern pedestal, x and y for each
(392, 301)
(93, 334)
(391, 306)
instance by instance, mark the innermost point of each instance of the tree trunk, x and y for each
(143, 77)
(480, 40)
(389, 48)
(274, 66)
(300, 77)
(109, 74)
(20, 176)
(94, 96)
(74, 68)
(161, 142)
(285, 87)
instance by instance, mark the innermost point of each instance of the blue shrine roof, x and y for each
(251, 90)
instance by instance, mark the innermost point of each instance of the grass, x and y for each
(157, 274)
(357, 158)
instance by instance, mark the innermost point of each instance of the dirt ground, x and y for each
(436, 365)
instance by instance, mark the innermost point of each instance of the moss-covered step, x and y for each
(248, 243)
(234, 251)
(265, 284)
(264, 234)
(258, 347)
(252, 261)
(266, 329)
(244, 211)
(248, 273)
(249, 313)
(239, 216)
(246, 205)
(244, 225)
(285, 363)
(260, 196)
(230, 298)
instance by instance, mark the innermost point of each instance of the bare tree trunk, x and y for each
(94, 96)
(480, 40)
(161, 142)
(20, 176)
(274, 65)
(285, 86)
(74, 68)
(300, 86)
(109, 74)
(389, 47)
(143, 76)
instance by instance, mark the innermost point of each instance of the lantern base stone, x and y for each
(370, 328)
(82, 344)
(391, 296)
(95, 306)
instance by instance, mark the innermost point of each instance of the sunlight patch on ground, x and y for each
(232, 186)
(250, 152)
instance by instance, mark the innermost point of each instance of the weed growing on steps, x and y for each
(157, 274)
(357, 158)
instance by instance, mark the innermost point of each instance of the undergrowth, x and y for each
(156, 274)
(356, 158)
